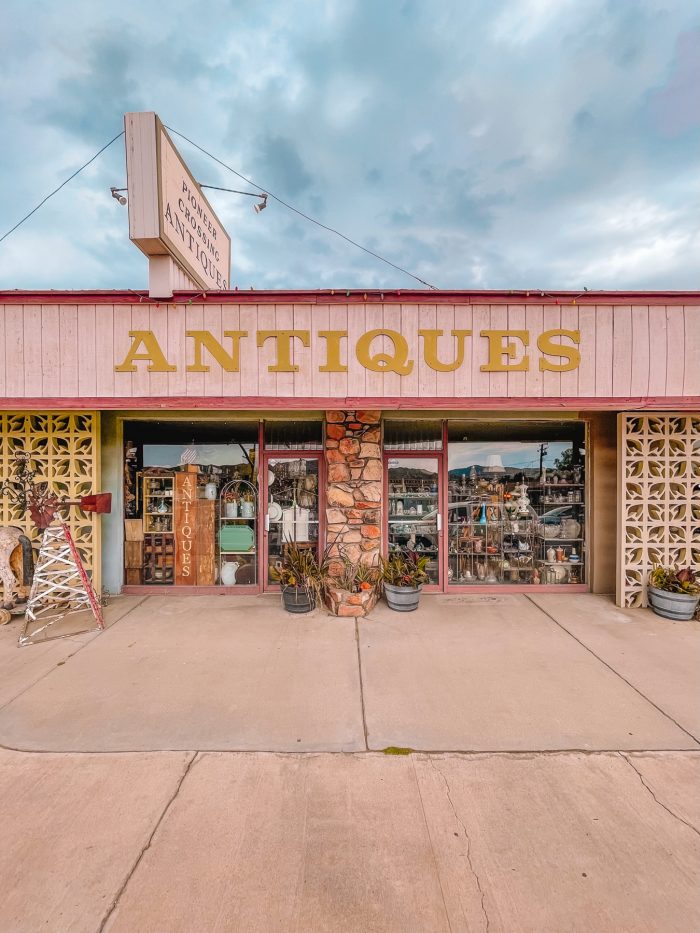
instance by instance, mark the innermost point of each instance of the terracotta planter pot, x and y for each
(672, 605)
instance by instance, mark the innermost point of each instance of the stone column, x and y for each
(354, 494)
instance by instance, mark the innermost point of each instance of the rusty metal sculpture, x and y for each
(60, 584)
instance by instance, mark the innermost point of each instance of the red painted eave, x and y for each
(356, 296)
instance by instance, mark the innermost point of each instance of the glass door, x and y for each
(293, 508)
(414, 520)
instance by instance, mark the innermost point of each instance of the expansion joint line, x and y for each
(656, 799)
(466, 835)
(129, 875)
(362, 688)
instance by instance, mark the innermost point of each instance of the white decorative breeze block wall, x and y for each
(659, 497)
(64, 452)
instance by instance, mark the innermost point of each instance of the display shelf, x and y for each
(238, 489)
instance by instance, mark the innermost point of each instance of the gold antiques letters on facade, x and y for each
(503, 350)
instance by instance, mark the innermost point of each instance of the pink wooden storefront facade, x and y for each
(636, 350)
(422, 352)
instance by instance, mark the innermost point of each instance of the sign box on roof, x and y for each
(168, 214)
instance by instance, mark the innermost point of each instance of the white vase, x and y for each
(232, 509)
(210, 491)
(228, 573)
(247, 510)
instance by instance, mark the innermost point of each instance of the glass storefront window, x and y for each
(190, 503)
(516, 503)
(413, 509)
(292, 507)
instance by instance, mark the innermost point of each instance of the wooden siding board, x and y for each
(427, 377)
(482, 321)
(498, 381)
(177, 324)
(570, 321)
(657, 350)
(551, 382)
(14, 351)
(675, 350)
(587, 348)
(338, 320)
(87, 351)
(267, 354)
(122, 343)
(315, 319)
(516, 380)
(32, 350)
(356, 376)
(104, 348)
(284, 320)
(463, 375)
(447, 348)
(534, 378)
(691, 384)
(391, 320)
(141, 379)
(639, 377)
(3, 351)
(622, 346)
(250, 366)
(229, 318)
(194, 320)
(158, 322)
(604, 350)
(304, 357)
(51, 350)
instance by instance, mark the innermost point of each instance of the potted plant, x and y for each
(351, 589)
(673, 593)
(230, 503)
(403, 575)
(300, 577)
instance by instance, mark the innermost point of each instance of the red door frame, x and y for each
(267, 455)
(423, 455)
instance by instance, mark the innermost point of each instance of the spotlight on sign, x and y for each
(117, 196)
(263, 204)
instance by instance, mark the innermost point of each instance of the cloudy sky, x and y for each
(477, 143)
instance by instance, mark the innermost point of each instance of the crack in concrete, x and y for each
(362, 687)
(614, 671)
(656, 799)
(115, 901)
(432, 849)
(468, 853)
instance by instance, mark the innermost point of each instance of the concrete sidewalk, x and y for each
(270, 843)
(131, 814)
(464, 673)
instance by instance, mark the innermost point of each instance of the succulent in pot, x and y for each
(403, 574)
(674, 593)
(300, 576)
(350, 588)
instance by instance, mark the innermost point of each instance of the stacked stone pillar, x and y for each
(354, 495)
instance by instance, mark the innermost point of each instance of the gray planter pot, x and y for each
(402, 598)
(672, 605)
(297, 599)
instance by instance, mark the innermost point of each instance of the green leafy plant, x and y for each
(674, 580)
(355, 578)
(404, 568)
(300, 567)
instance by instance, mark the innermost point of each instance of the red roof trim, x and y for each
(357, 296)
